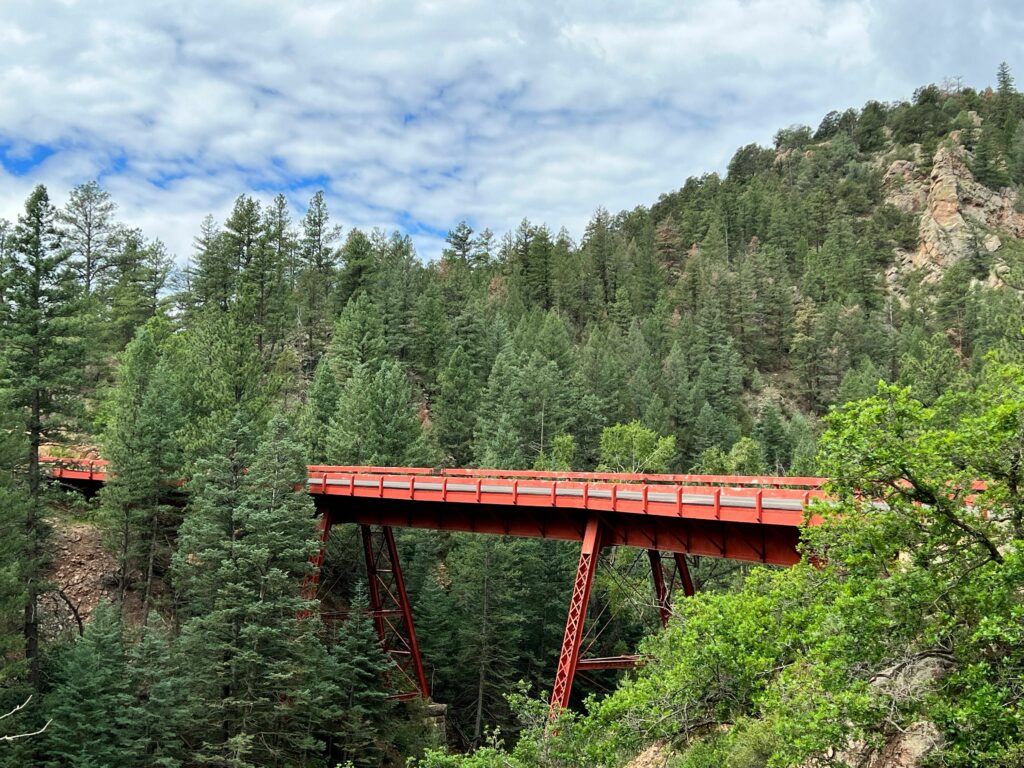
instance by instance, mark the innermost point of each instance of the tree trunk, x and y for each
(32, 526)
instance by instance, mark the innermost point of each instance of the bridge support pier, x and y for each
(390, 608)
(569, 658)
(311, 583)
(662, 588)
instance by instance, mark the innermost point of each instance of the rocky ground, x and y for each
(81, 572)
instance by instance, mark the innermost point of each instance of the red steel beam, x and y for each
(662, 593)
(683, 569)
(569, 657)
(390, 608)
(629, 661)
(765, 543)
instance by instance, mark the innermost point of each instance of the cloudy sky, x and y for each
(418, 114)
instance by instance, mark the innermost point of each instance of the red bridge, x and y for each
(755, 519)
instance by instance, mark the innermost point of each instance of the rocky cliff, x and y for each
(958, 215)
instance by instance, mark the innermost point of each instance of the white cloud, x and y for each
(436, 111)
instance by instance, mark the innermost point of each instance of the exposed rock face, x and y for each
(905, 187)
(82, 570)
(958, 213)
(908, 749)
(655, 756)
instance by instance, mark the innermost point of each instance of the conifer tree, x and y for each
(377, 421)
(212, 283)
(317, 273)
(131, 287)
(358, 338)
(40, 336)
(357, 665)
(252, 661)
(88, 232)
(165, 713)
(141, 443)
(321, 403)
(94, 716)
(454, 412)
(774, 440)
(13, 508)
(359, 263)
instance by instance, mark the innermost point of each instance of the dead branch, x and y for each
(16, 736)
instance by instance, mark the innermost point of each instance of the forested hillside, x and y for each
(709, 332)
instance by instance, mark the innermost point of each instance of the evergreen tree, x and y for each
(773, 439)
(356, 665)
(145, 459)
(88, 232)
(986, 165)
(40, 336)
(131, 286)
(321, 403)
(251, 660)
(317, 272)
(13, 508)
(358, 338)
(358, 266)
(212, 283)
(377, 421)
(94, 716)
(454, 412)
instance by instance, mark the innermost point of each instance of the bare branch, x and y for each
(16, 736)
(18, 708)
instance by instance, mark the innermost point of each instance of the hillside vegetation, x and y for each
(708, 332)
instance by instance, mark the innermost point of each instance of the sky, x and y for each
(416, 115)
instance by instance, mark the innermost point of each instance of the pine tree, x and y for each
(358, 266)
(132, 285)
(317, 273)
(252, 661)
(712, 430)
(321, 403)
(1015, 156)
(145, 458)
(264, 298)
(454, 411)
(485, 596)
(42, 349)
(986, 166)
(357, 666)
(358, 338)
(377, 421)
(213, 277)
(13, 509)
(774, 440)
(88, 232)
(159, 681)
(497, 441)
(94, 716)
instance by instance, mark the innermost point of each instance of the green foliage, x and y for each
(633, 448)
(248, 653)
(377, 421)
(708, 331)
(91, 705)
(141, 443)
(905, 610)
(356, 664)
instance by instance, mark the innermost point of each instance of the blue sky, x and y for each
(417, 115)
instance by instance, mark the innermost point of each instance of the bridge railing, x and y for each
(740, 481)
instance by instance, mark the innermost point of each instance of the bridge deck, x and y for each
(743, 518)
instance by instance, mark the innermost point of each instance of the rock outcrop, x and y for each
(958, 215)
